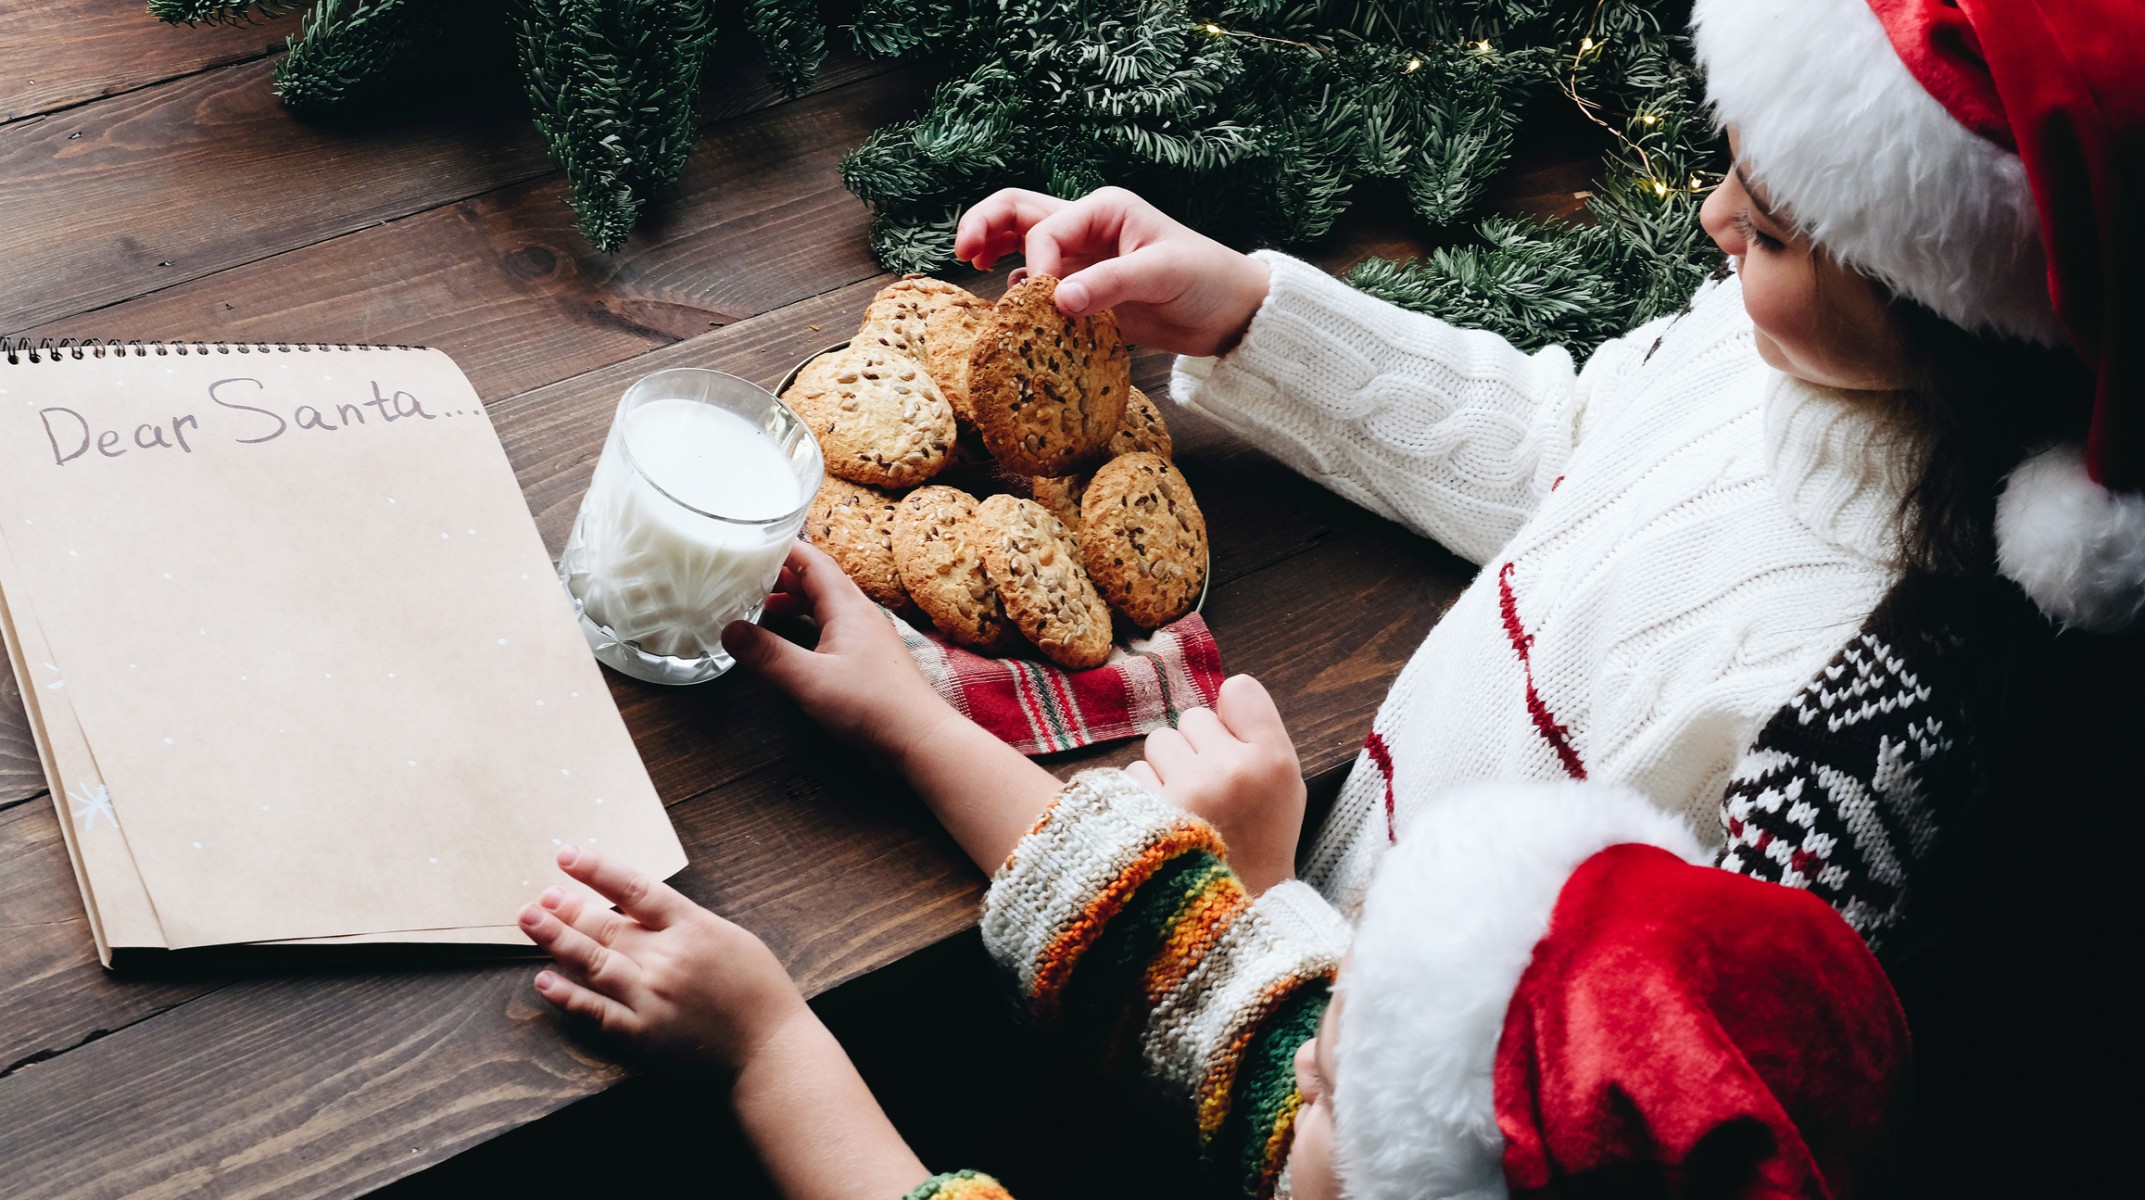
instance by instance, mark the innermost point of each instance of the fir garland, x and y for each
(1257, 121)
(1257, 124)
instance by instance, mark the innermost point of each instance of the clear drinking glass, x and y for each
(702, 485)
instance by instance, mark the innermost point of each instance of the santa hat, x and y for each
(1548, 989)
(1986, 159)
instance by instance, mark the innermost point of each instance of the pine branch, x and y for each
(346, 44)
(219, 12)
(793, 38)
(614, 86)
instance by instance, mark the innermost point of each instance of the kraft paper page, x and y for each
(310, 646)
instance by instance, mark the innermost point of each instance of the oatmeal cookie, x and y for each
(897, 314)
(1049, 390)
(1142, 428)
(879, 419)
(854, 524)
(937, 547)
(1143, 539)
(1035, 565)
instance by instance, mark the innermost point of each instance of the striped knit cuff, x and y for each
(1102, 839)
(959, 1185)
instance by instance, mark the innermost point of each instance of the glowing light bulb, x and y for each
(1212, 28)
(1585, 44)
(1483, 45)
(1414, 65)
(1649, 119)
(1659, 188)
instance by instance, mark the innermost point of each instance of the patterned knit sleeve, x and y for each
(1850, 789)
(1128, 934)
(1455, 433)
(959, 1185)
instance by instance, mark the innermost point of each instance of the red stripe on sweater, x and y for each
(1545, 722)
(1382, 758)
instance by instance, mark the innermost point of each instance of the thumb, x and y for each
(764, 652)
(1148, 275)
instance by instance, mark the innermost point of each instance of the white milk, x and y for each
(653, 570)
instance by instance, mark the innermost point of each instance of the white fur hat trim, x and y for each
(1871, 166)
(1448, 925)
(2077, 548)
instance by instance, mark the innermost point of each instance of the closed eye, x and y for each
(1764, 240)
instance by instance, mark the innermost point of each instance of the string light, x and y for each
(1586, 44)
(1414, 65)
(1659, 188)
(1483, 46)
(1214, 29)
(1650, 119)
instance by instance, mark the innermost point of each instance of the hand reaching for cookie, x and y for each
(1235, 767)
(1172, 288)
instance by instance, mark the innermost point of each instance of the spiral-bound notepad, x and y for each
(297, 662)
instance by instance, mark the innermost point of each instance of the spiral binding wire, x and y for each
(22, 349)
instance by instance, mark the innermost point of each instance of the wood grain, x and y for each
(178, 181)
(70, 51)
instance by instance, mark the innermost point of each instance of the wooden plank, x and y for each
(20, 775)
(834, 866)
(505, 284)
(70, 51)
(173, 182)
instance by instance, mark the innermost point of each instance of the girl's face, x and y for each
(1815, 319)
(1311, 1171)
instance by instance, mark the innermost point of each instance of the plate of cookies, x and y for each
(991, 467)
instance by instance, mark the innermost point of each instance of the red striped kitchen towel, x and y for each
(1039, 708)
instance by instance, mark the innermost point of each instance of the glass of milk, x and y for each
(701, 488)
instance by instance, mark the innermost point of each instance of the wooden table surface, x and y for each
(152, 187)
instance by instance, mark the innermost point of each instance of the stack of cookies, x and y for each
(1073, 510)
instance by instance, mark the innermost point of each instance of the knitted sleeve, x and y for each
(1455, 433)
(1850, 788)
(1128, 933)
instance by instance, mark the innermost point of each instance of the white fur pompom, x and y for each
(2076, 548)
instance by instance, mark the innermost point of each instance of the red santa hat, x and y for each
(1985, 158)
(1547, 990)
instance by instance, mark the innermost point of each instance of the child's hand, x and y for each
(664, 975)
(1234, 766)
(859, 683)
(1173, 289)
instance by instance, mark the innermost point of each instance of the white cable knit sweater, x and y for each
(1674, 540)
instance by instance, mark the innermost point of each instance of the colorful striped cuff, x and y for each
(959, 1185)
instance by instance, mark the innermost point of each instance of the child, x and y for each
(1688, 545)
(1496, 1042)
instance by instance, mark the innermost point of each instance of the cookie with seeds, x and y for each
(938, 547)
(1061, 495)
(854, 524)
(1143, 539)
(950, 332)
(879, 419)
(1141, 429)
(1035, 564)
(1049, 390)
(896, 316)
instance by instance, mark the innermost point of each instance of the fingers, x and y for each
(604, 969)
(1088, 229)
(816, 587)
(591, 1006)
(1149, 275)
(1167, 752)
(599, 923)
(997, 226)
(1144, 775)
(652, 902)
(1203, 729)
(1248, 712)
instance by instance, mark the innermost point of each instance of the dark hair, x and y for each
(1975, 406)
